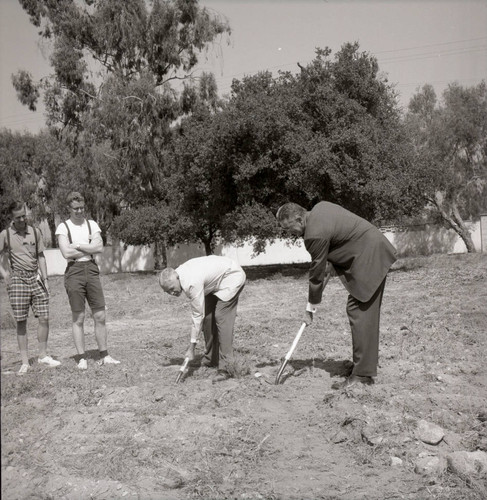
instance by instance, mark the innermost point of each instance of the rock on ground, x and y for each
(468, 463)
(429, 433)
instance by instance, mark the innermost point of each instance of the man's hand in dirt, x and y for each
(190, 352)
(308, 317)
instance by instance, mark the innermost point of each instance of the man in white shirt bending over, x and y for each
(79, 239)
(213, 285)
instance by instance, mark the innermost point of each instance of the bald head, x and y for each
(169, 281)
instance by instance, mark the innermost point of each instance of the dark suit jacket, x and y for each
(359, 252)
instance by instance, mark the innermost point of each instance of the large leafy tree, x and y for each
(114, 92)
(35, 169)
(53, 173)
(332, 131)
(177, 217)
(157, 225)
(16, 164)
(450, 138)
(357, 153)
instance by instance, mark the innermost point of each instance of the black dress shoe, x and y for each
(353, 380)
(221, 376)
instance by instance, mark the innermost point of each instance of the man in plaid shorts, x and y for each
(27, 282)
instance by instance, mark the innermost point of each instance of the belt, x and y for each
(92, 259)
(24, 274)
(73, 262)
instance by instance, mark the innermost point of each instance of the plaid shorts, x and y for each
(25, 291)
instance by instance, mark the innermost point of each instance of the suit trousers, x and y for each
(364, 320)
(218, 327)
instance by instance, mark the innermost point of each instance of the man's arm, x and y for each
(42, 265)
(4, 271)
(66, 249)
(196, 294)
(197, 298)
(41, 259)
(95, 246)
(318, 248)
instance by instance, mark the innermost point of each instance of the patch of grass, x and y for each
(240, 366)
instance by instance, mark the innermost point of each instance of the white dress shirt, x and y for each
(201, 276)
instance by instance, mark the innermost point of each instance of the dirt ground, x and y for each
(129, 431)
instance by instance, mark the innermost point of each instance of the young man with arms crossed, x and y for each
(79, 239)
(27, 282)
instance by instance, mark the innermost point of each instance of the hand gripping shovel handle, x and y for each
(290, 353)
(181, 370)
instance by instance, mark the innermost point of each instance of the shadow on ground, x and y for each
(336, 368)
(278, 270)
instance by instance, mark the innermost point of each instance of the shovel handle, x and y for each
(181, 370)
(290, 352)
(295, 342)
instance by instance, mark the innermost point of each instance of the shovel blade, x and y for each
(279, 373)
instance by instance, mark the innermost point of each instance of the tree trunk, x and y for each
(52, 228)
(208, 247)
(160, 256)
(207, 239)
(463, 231)
(456, 223)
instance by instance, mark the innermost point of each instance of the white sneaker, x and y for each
(47, 360)
(83, 364)
(108, 360)
(23, 369)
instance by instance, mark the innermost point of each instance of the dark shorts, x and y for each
(82, 283)
(24, 292)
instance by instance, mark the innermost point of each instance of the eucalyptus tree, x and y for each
(35, 169)
(16, 166)
(116, 88)
(450, 139)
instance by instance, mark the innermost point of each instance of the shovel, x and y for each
(296, 340)
(182, 369)
(290, 353)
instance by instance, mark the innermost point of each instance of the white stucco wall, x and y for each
(430, 239)
(117, 258)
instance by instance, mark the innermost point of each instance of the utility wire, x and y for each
(432, 45)
(403, 58)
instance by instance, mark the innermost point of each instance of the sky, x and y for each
(416, 42)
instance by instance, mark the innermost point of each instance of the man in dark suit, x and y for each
(361, 256)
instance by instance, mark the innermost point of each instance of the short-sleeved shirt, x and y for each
(79, 234)
(23, 248)
(202, 276)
